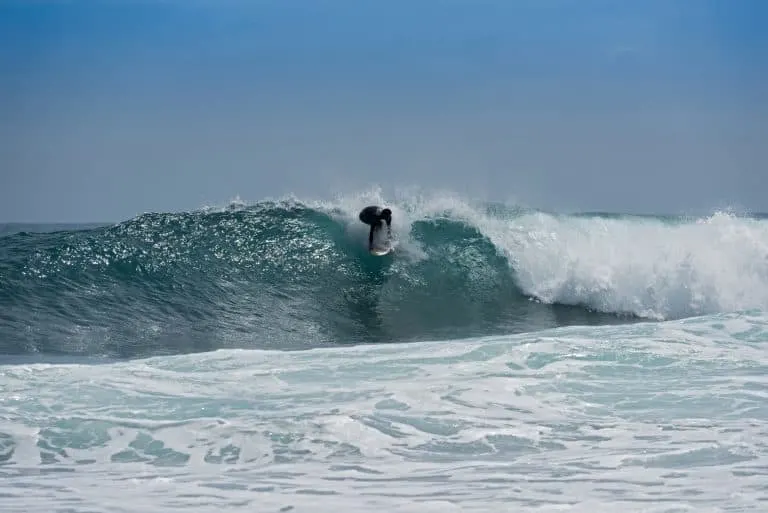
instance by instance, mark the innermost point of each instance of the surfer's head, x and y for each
(386, 214)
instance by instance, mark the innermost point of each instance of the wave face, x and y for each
(295, 275)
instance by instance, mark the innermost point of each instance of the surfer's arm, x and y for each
(370, 238)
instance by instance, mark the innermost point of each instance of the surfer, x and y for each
(373, 216)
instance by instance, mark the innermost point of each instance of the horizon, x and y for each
(113, 110)
(45, 225)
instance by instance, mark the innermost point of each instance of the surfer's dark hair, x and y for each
(386, 214)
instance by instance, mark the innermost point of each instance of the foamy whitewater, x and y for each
(256, 358)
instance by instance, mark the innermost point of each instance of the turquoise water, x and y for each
(256, 358)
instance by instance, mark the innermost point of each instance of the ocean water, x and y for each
(256, 358)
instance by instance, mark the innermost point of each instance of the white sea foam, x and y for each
(662, 417)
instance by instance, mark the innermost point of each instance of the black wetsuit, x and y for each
(373, 216)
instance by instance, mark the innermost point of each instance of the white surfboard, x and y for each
(380, 251)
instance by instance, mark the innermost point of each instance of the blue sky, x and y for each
(111, 109)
